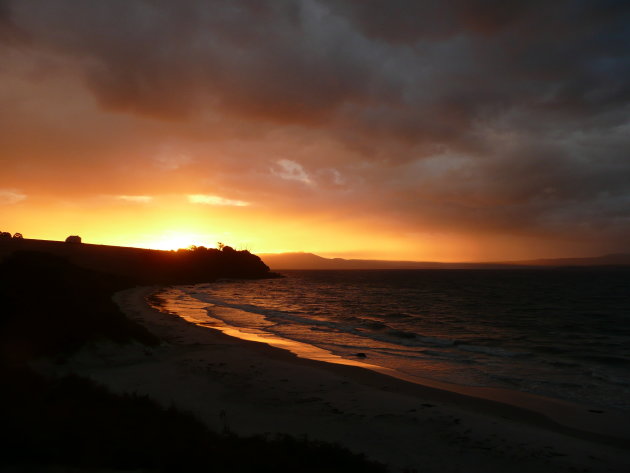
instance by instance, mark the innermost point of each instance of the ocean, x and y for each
(559, 333)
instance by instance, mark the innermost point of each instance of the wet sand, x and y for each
(248, 387)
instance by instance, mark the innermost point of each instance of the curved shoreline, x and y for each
(250, 388)
(609, 427)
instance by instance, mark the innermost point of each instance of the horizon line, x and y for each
(366, 259)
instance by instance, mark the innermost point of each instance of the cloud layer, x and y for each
(458, 117)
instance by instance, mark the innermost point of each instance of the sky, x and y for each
(419, 130)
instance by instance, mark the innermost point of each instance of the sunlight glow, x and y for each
(177, 240)
(215, 200)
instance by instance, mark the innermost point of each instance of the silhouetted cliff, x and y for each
(143, 266)
(198, 263)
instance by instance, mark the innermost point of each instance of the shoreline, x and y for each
(608, 425)
(250, 388)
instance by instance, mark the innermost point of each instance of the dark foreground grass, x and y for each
(52, 308)
(73, 422)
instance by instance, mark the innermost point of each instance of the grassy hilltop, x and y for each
(144, 266)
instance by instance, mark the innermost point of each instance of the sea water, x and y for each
(561, 333)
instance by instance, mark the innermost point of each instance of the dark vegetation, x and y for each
(192, 265)
(198, 261)
(7, 236)
(73, 239)
(52, 308)
(71, 422)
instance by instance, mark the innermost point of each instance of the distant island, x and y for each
(279, 261)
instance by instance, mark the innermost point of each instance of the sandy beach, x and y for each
(248, 387)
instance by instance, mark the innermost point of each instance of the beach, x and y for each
(246, 388)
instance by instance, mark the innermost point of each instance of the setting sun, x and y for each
(306, 145)
(177, 240)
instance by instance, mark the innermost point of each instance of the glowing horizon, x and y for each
(337, 135)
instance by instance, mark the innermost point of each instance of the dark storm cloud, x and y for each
(549, 57)
(485, 113)
(7, 28)
(167, 59)
(288, 61)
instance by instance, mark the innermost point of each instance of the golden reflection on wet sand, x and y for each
(196, 312)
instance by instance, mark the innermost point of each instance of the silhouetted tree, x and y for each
(18, 236)
(199, 263)
(4, 235)
(73, 239)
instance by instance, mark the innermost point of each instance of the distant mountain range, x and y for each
(277, 261)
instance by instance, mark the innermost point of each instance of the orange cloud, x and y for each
(458, 130)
